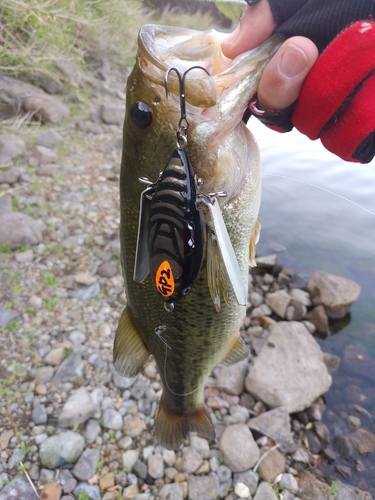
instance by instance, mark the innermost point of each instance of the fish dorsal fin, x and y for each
(237, 352)
(171, 429)
(129, 351)
(254, 238)
(217, 278)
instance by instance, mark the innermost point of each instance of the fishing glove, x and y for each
(337, 100)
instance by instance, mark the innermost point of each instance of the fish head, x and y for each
(214, 103)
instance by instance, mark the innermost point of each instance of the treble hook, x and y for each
(183, 124)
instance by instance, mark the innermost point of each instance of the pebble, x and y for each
(238, 447)
(266, 492)
(171, 492)
(19, 488)
(112, 419)
(242, 491)
(86, 465)
(133, 426)
(92, 490)
(129, 459)
(64, 448)
(155, 464)
(19, 230)
(272, 465)
(231, 379)
(70, 369)
(191, 460)
(249, 478)
(203, 487)
(87, 292)
(289, 482)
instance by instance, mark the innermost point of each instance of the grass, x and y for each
(39, 37)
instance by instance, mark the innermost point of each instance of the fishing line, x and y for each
(323, 189)
(158, 331)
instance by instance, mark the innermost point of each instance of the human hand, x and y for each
(334, 99)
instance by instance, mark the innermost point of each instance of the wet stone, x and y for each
(344, 471)
(344, 446)
(364, 441)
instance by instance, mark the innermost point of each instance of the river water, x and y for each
(318, 213)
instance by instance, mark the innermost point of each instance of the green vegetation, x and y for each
(50, 281)
(83, 495)
(333, 489)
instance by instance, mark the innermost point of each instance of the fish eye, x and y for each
(141, 115)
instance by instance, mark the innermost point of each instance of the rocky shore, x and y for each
(70, 427)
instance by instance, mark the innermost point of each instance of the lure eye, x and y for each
(141, 115)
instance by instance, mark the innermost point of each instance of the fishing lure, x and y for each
(171, 241)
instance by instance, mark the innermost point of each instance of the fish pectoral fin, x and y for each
(129, 352)
(218, 281)
(171, 429)
(254, 238)
(237, 352)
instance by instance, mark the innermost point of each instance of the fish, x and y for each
(201, 329)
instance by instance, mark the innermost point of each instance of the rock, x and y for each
(267, 260)
(5, 437)
(50, 139)
(43, 374)
(272, 465)
(9, 176)
(10, 146)
(17, 457)
(112, 113)
(364, 441)
(199, 444)
(266, 492)
(84, 279)
(129, 458)
(319, 319)
(107, 480)
(112, 419)
(238, 447)
(78, 408)
(278, 302)
(70, 369)
(87, 292)
(51, 491)
(344, 446)
(335, 293)
(92, 491)
(289, 370)
(26, 256)
(191, 460)
(44, 155)
(67, 480)
(241, 490)
(39, 414)
(5, 204)
(64, 448)
(47, 108)
(19, 488)
(7, 315)
(91, 431)
(171, 492)
(347, 492)
(55, 356)
(332, 362)
(276, 425)
(47, 170)
(86, 465)
(300, 295)
(289, 482)
(107, 269)
(231, 379)
(203, 487)
(155, 465)
(133, 426)
(19, 230)
(311, 488)
(248, 477)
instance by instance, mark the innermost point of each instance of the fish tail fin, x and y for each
(129, 351)
(171, 429)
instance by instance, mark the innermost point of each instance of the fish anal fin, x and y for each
(237, 352)
(129, 351)
(171, 429)
(254, 238)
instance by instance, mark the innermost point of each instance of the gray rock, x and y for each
(47, 170)
(122, 382)
(64, 448)
(26, 256)
(289, 370)
(92, 490)
(191, 460)
(332, 362)
(10, 146)
(7, 315)
(19, 230)
(50, 139)
(39, 414)
(17, 456)
(199, 444)
(238, 447)
(266, 492)
(112, 113)
(70, 369)
(155, 465)
(276, 425)
(311, 488)
(335, 293)
(347, 492)
(47, 108)
(278, 302)
(248, 477)
(112, 419)
(87, 292)
(319, 319)
(86, 465)
(91, 431)
(78, 408)
(344, 446)
(171, 492)
(43, 374)
(203, 487)
(231, 379)
(107, 269)
(9, 176)
(18, 489)
(267, 260)
(6, 204)
(272, 465)
(129, 458)
(140, 469)
(301, 296)
(44, 155)
(67, 480)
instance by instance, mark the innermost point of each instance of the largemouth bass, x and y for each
(203, 329)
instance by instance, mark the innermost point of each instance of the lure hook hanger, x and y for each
(183, 123)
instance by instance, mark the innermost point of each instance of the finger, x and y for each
(283, 76)
(256, 26)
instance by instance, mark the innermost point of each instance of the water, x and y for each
(321, 230)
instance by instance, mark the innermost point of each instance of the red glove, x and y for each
(337, 100)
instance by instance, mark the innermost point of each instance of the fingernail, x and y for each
(293, 62)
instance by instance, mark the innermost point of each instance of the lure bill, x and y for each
(220, 169)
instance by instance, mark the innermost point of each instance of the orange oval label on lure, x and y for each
(164, 279)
